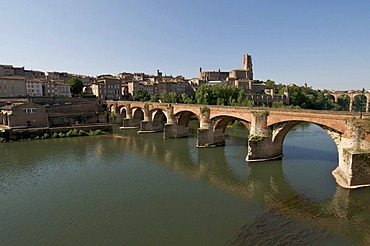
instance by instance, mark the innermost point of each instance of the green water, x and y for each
(131, 189)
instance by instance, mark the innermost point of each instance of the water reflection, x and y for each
(292, 214)
(265, 183)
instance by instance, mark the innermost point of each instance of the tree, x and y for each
(75, 85)
(168, 97)
(154, 98)
(359, 103)
(141, 95)
(343, 103)
(270, 84)
(185, 98)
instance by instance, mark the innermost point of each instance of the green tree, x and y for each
(187, 99)
(227, 95)
(270, 84)
(359, 103)
(343, 103)
(75, 85)
(169, 97)
(154, 98)
(141, 95)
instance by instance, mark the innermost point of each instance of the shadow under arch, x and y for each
(283, 128)
(137, 115)
(222, 121)
(122, 111)
(184, 117)
(159, 117)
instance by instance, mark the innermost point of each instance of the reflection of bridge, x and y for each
(263, 184)
(267, 127)
(352, 95)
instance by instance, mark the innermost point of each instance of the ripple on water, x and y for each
(274, 228)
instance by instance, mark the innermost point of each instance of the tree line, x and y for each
(227, 95)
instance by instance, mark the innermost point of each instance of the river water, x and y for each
(131, 189)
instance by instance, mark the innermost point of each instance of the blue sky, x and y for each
(324, 43)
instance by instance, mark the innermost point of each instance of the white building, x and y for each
(34, 87)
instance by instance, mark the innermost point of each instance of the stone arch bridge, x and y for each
(267, 127)
(351, 96)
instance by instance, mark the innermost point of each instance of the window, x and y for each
(29, 110)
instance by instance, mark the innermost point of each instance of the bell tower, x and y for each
(248, 66)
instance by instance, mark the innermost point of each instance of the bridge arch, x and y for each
(137, 115)
(281, 129)
(183, 117)
(122, 111)
(246, 117)
(333, 124)
(359, 102)
(221, 122)
(112, 107)
(158, 117)
(343, 102)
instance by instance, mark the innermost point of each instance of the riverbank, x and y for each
(8, 134)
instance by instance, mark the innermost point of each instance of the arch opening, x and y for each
(235, 131)
(122, 112)
(187, 118)
(282, 129)
(359, 103)
(224, 122)
(158, 118)
(112, 108)
(343, 102)
(310, 155)
(137, 115)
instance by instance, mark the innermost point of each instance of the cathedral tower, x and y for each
(248, 66)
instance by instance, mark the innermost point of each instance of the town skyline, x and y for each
(321, 44)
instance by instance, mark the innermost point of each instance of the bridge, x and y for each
(351, 96)
(267, 130)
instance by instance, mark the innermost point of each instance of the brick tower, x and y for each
(248, 66)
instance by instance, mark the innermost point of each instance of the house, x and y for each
(12, 86)
(23, 115)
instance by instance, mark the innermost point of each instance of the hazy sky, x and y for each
(325, 43)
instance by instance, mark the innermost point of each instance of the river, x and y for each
(130, 189)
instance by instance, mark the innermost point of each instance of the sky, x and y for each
(324, 43)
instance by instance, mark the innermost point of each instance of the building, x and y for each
(34, 74)
(139, 76)
(62, 89)
(213, 75)
(107, 88)
(248, 66)
(23, 115)
(49, 88)
(35, 87)
(59, 76)
(12, 86)
(6, 70)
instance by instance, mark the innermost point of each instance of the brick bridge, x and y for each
(267, 127)
(351, 97)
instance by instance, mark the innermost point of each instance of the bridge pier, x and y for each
(172, 129)
(150, 125)
(353, 170)
(207, 136)
(261, 146)
(129, 121)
